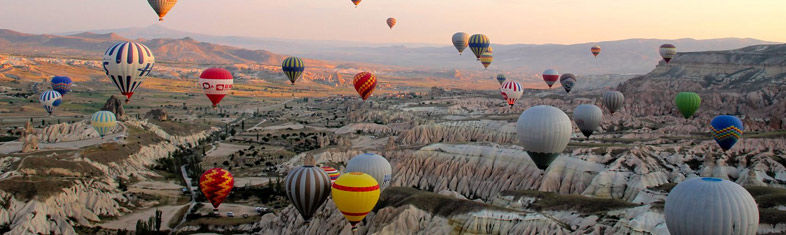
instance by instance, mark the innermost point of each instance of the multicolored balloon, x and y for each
(216, 84)
(587, 118)
(486, 58)
(374, 165)
(293, 67)
(332, 173)
(479, 43)
(50, 99)
(667, 51)
(391, 22)
(544, 132)
(460, 41)
(511, 91)
(356, 2)
(595, 50)
(613, 100)
(355, 195)
(216, 184)
(307, 188)
(687, 103)
(103, 122)
(567, 80)
(61, 84)
(162, 7)
(365, 83)
(550, 76)
(127, 64)
(726, 130)
(501, 78)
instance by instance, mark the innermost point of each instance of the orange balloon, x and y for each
(216, 184)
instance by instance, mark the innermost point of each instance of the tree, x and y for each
(158, 219)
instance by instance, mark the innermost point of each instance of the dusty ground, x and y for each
(129, 221)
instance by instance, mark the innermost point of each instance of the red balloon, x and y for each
(216, 184)
(216, 83)
(365, 83)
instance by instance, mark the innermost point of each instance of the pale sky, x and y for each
(419, 21)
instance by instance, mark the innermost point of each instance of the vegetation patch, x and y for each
(115, 152)
(434, 203)
(554, 201)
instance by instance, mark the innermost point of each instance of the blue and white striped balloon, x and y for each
(127, 64)
(50, 99)
(103, 122)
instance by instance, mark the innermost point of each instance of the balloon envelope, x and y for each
(687, 103)
(365, 83)
(307, 188)
(478, 43)
(511, 91)
(103, 122)
(460, 41)
(216, 84)
(61, 84)
(550, 76)
(332, 173)
(374, 165)
(161, 7)
(567, 81)
(667, 51)
(587, 118)
(391, 22)
(127, 64)
(355, 195)
(501, 78)
(705, 206)
(486, 58)
(726, 130)
(216, 184)
(293, 67)
(595, 50)
(613, 100)
(544, 132)
(50, 99)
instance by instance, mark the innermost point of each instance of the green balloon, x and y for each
(687, 103)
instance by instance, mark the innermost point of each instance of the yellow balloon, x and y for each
(355, 195)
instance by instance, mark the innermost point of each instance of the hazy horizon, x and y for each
(508, 22)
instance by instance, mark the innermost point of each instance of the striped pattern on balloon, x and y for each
(479, 43)
(332, 173)
(511, 91)
(364, 83)
(216, 184)
(307, 187)
(216, 83)
(550, 76)
(613, 100)
(501, 78)
(293, 67)
(460, 41)
(50, 99)
(726, 130)
(127, 64)
(355, 195)
(595, 50)
(161, 7)
(486, 58)
(391, 22)
(103, 122)
(667, 51)
(61, 84)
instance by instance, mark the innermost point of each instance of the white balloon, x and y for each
(127, 64)
(587, 118)
(706, 205)
(372, 164)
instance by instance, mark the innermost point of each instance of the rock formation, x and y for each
(29, 139)
(157, 114)
(115, 105)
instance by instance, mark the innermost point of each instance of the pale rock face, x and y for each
(65, 132)
(461, 131)
(370, 128)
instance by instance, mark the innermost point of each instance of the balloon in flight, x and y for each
(365, 83)
(374, 165)
(568, 80)
(726, 130)
(511, 91)
(486, 58)
(595, 50)
(332, 173)
(501, 78)
(355, 194)
(613, 100)
(61, 84)
(460, 41)
(293, 67)
(391, 22)
(162, 7)
(356, 2)
(127, 64)
(668, 51)
(550, 76)
(478, 43)
(216, 184)
(544, 132)
(687, 103)
(307, 187)
(587, 118)
(708, 206)
(216, 84)
(50, 99)
(103, 122)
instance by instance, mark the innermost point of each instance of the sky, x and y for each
(419, 21)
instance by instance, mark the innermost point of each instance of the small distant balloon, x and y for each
(216, 84)
(103, 122)
(478, 43)
(587, 118)
(216, 184)
(460, 41)
(687, 103)
(511, 91)
(668, 51)
(613, 100)
(365, 83)
(391, 22)
(61, 84)
(50, 99)
(595, 50)
(501, 78)
(726, 130)
(567, 80)
(356, 2)
(550, 76)
(486, 58)
(161, 7)
(293, 67)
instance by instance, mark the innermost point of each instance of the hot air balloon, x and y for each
(356, 2)
(501, 78)
(332, 173)
(161, 7)
(550, 76)
(567, 80)
(460, 41)
(61, 84)
(726, 130)
(216, 184)
(587, 118)
(687, 103)
(613, 100)
(595, 50)
(103, 122)
(307, 188)
(50, 99)
(668, 51)
(511, 92)
(486, 58)
(544, 132)
(391, 22)
(293, 67)
(365, 83)
(127, 64)
(216, 83)
(705, 206)
(489, 49)
(478, 43)
(374, 165)
(355, 194)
